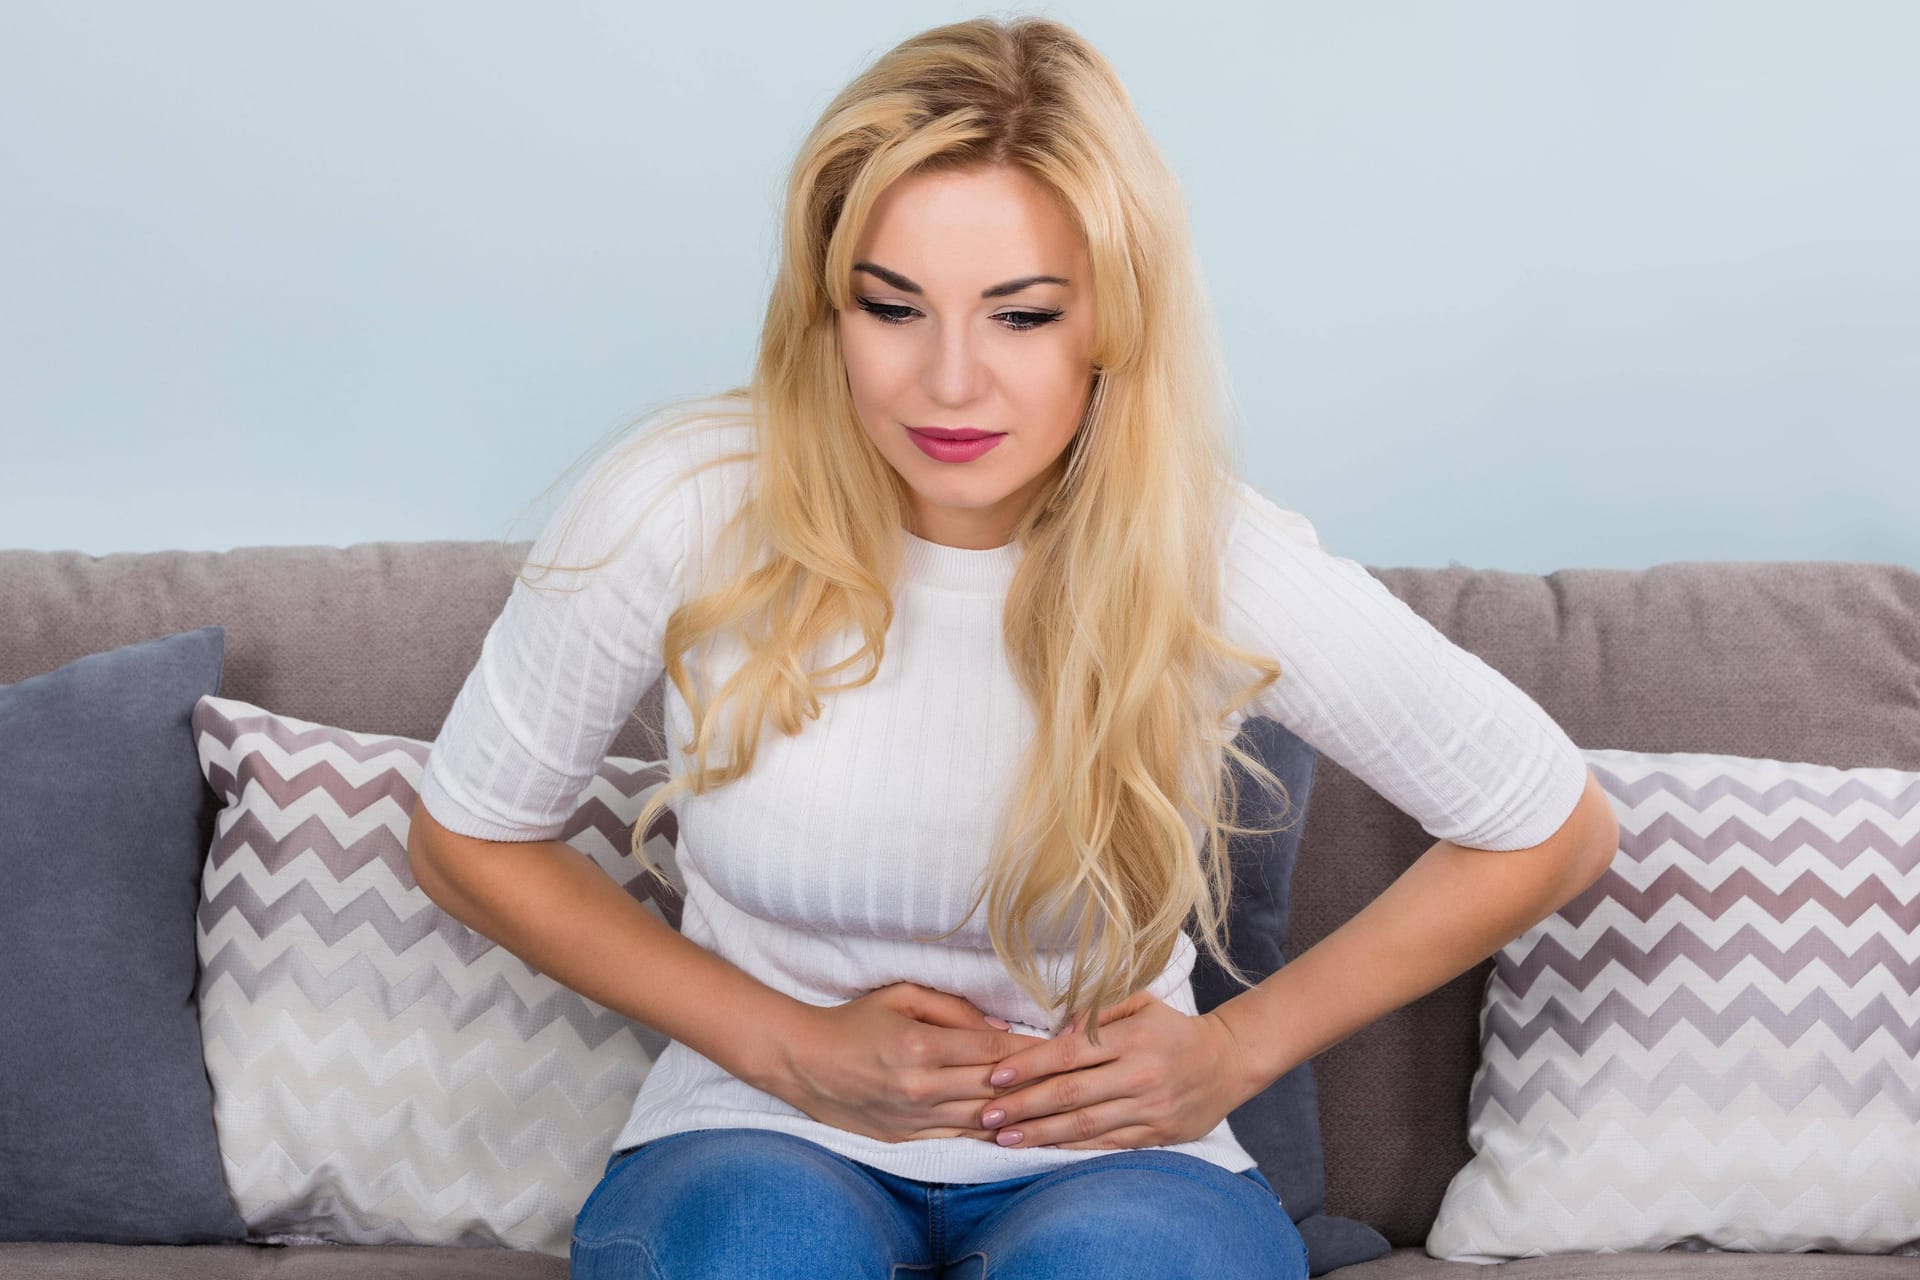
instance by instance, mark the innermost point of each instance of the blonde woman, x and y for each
(960, 606)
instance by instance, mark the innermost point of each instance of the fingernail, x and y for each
(1001, 1023)
(993, 1117)
(1007, 1137)
(1003, 1076)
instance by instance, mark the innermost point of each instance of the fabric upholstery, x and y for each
(383, 1074)
(106, 1117)
(1716, 1042)
(1782, 660)
(1787, 660)
(403, 1262)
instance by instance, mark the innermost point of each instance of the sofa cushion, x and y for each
(1279, 1126)
(289, 1262)
(1714, 1045)
(106, 1117)
(383, 1074)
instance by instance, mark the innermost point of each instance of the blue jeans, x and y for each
(755, 1204)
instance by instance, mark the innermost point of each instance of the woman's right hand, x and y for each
(899, 1063)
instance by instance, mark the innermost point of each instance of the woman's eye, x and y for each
(892, 315)
(1029, 319)
(1018, 321)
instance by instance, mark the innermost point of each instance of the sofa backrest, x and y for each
(1815, 661)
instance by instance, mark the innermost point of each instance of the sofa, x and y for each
(1792, 661)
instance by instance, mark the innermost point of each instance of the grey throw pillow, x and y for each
(1280, 1126)
(106, 1113)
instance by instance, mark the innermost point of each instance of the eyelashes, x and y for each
(1029, 320)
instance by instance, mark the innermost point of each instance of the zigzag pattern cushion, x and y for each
(381, 1073)
(1717, 1045)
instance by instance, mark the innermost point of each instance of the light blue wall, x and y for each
(1522, 285)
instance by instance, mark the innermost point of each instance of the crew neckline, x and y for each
(934, 564)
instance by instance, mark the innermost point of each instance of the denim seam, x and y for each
(646, 1254)
(606, 1176)
(986, 1264)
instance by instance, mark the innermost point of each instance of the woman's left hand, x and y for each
(1158, 1077)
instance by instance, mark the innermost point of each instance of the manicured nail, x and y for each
(1007, 1137)
(1003, 1076)
(993, 1117)
(1001, 1023)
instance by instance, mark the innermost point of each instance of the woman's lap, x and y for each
(759, 1202)
(741, 1202)
(1139, 1213)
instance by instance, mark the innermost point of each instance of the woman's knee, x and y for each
(727, 1176)
(1143, 1216)
(723, 1198)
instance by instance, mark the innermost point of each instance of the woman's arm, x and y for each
(555, 908)
(1452, 908)
(1161, 1076)
(1521, 825)
(900, 1063)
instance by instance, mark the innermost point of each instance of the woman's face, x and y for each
(973, 308)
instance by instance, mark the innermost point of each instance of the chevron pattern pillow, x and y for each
(381, 1073)
(1717, 1045)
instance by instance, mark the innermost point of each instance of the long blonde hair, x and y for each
(1117, 833)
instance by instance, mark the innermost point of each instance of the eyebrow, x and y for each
(900, 282)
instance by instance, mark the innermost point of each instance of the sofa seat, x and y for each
(395, 1262)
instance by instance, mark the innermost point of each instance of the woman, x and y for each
(975, 518)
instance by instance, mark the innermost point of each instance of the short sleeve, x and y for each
(567, 659)
(1377, 688)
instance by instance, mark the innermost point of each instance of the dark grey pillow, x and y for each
(106, 1112)
(1280, 1126)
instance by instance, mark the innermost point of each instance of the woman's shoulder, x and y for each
(673, 439)
(1256, 521)
(652, 484)
(691, 455)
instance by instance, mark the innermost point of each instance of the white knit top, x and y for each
(816, 872)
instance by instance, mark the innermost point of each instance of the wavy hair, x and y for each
(1116, 838)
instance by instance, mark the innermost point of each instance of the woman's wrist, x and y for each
(781, 1027)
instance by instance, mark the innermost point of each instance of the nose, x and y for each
(955, 373)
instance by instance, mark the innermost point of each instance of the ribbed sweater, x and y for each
(817, 872)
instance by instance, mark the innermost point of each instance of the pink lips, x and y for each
(954, 446)
(954, 433)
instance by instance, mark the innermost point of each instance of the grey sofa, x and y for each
(1803, 661)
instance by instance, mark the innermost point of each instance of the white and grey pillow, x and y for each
(1717, 1045)
(382, 1074)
